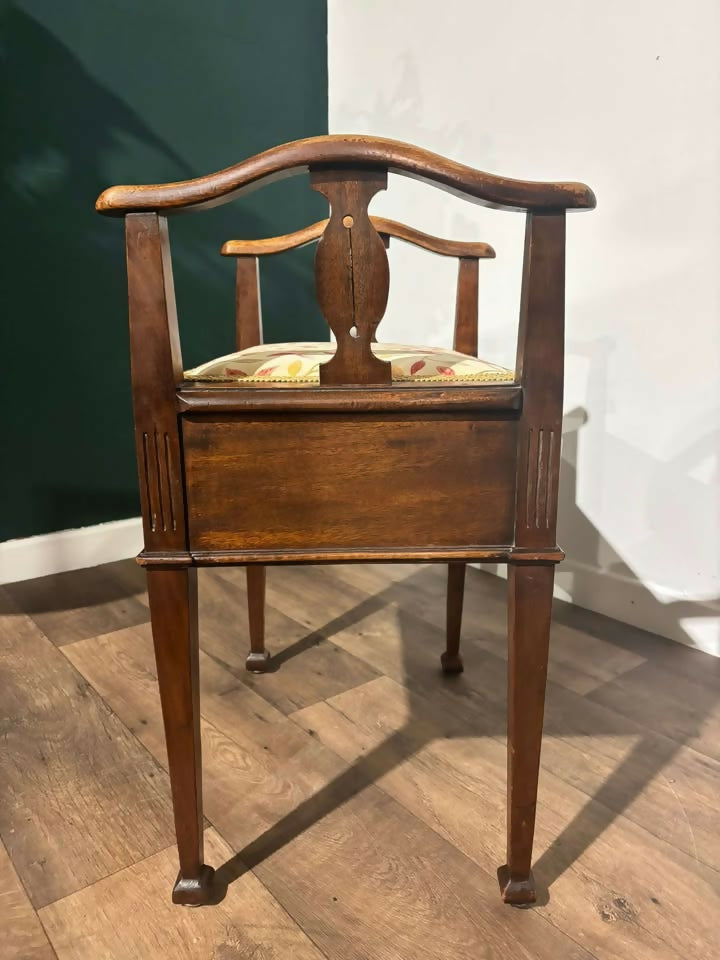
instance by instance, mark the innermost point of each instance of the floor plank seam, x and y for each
(469, 859)
(27, 897)
(47, 935)
(108, 876)
(271, 894)
(616, 815)
(159, 768)
(715, 867)
(421, 692)
(604, 798)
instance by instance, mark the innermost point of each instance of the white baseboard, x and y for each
(653, 607)
(69, 549)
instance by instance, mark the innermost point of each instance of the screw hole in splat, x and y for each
(354, 332)
(348, 221)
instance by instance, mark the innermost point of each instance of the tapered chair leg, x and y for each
(173, 611)
(451, 660)
(258, 658)
(530, 601)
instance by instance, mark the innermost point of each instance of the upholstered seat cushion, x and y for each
(300, 362)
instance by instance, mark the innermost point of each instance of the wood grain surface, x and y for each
(21, 932)
(341, 149)
(256, 484)
(355, 796)
(390, 228)
(104, 921)
(79, 798)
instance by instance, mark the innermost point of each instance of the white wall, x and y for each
(626, 97)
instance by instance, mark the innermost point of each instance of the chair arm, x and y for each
(389, 228)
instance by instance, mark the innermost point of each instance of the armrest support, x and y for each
(156, 369)
(539, 369)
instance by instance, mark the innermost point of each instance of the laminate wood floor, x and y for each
(354, 797)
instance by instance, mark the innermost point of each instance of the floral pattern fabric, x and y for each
(300, 363)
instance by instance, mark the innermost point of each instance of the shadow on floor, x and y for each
(647, 758)
(649, 755)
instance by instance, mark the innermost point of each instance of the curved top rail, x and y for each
(290, 241)
(297, 156)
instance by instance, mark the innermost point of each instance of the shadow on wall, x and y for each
(595, 574)
(666, 547)
(64, 336)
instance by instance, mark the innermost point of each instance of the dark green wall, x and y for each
(132, 92)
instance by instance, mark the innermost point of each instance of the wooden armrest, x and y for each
(391, 228)
(270, 245)
(446, 248)
(336, 150)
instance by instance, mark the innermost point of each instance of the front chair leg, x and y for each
(530, 601)
(258, 658)
(173, 611)
(451, 660)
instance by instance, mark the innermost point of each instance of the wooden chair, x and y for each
(364, 465)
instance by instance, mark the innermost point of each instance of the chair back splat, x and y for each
(352, 274)
(354, 450)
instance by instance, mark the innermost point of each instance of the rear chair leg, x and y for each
(530, 589)
(451, 660)
(257, 659)
(173, 611)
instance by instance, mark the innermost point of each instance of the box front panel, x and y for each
(337, 481)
